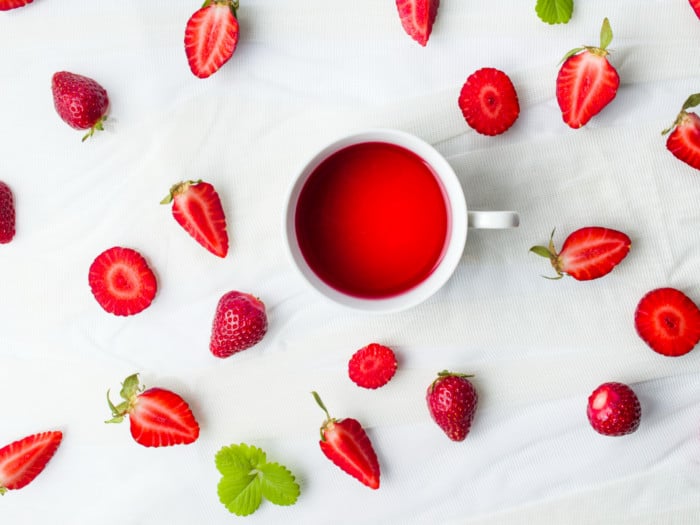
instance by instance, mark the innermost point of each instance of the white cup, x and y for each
(459, 218)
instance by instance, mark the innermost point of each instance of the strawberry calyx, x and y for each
(233, 4)
(329, 422)
(446, 373)
(131, 388)
(606, 36)
(96, 126)
(550, 252)
(178, 189)
(684, 116)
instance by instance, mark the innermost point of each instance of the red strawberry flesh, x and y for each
(417, 18)
(23, 460)
(489, 102)
(161, 418)
(695, 4)
(684, 140)
(6, 5)
(121, 281)
(7, 214)
(372, 366)
(614, 409)
(211, 36)
(668, 321)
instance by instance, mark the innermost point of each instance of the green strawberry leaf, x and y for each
(555, 11)
(606, 34)
(693, 100)
(247, 478)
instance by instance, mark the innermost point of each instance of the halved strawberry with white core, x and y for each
(157, 417)
(211, 36)
(588, 253)
(121, 281)
(695, 4)
(6, 5)
(668, 321)
(197, 208)
(24, 459)
(587, 82)
(417, 18)
(684, 140)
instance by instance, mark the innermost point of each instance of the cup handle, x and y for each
(493, 220)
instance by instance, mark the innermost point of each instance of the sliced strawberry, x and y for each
(347, 445)
(684, 140)
(695, 4)
(6, 5)
(197, 208)
(668, 321)
(372, 366)
(157, 417)
(417, 18)
(121, 281)
(588, 253)
(614, 409)
(211, 36)
(489, 102)
(23, 460)
(587, 82)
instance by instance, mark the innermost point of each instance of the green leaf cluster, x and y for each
(555, 11)
(248, 478)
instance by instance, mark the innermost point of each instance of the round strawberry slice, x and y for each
(372, 366)
(614, 409)
(668, 321)
(121, 281)
(489, 102)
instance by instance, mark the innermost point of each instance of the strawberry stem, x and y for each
(320, 403)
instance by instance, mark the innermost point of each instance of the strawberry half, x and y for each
(372, 366)
(7, 214)
(489, 102)
(452, 401)
(23, 460)
(695, 4)
(347, 445)
(684, 140)
(588, 253)
(197, 208)
(614, 409)
(6, 5)
(211, 36)
(417, 18)
(157, 417)
(587, 82)
(80, 101)
(121, 281)
(668, 321)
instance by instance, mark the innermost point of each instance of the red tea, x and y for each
(372, 220)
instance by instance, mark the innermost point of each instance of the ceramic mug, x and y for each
(378, 221)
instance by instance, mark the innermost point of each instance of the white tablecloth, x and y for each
(303, 74)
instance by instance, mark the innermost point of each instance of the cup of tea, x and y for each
(378, 221)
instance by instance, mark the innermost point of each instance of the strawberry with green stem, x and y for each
(452, 400)
(211, 36)
(684, 135)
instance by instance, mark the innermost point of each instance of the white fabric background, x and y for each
(303, 74)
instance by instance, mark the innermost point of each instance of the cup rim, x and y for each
(455, 242)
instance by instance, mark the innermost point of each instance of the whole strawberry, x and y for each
(7, 214)
(452, 401)
(684, 138)
(240, 322)
(211, 36)
(588, 253)
(614, 409)
(80, 101)
(157, 417)
(587, 82)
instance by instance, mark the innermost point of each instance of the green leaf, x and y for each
(555, 11)
(693, 100)
(130, 387)
(542, 251)
(247, 478)
(279, 485)
(606, 34)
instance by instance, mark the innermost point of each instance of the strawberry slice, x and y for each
(6, 5)
(668, 321)
(417, 18)
(197, 208)
(347, 445)
(23, 460)
(684, 140)
(372, 366)
(695, 4)
(588, 253)
(587, 82)
(121, 281)
(157, 417)
(211, 36)
(489, 102)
